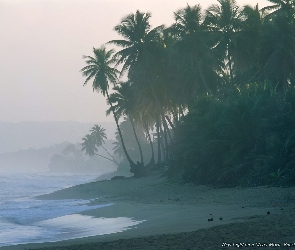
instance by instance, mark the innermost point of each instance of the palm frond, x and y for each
(121, 43)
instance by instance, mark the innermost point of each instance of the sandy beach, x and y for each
(175, 215)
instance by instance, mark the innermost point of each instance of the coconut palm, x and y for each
(124, 105)
(146, 122)
(139, 38)
(224, 19)
(142, 55)
(277, 53)
(280, 6)
(99, 133)
(193, 51)
(89, 145)
(246, 54)
(151, 109)
(100, 70)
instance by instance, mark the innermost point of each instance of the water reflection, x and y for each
(78, 226)
(64, 228)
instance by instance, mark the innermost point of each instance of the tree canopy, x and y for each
(204, 89)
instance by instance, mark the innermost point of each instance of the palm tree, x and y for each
(224, 19)
(246, 54)
(281, 6)
(89, 145)
(152, 96)
(192, 49)
(146, 122)
(99, 133)
(141, 53)
(139, 38)
(277, 53)
(100, 70)
(124, 105)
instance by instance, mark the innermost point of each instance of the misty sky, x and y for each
(41, 48)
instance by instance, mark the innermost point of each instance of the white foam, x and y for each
(78, 226)
(24, 219)
(64, 228)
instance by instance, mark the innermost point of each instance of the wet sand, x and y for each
(175, 215)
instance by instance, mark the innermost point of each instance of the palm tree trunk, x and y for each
(166, 127)
(166, 144)
(114, 160)
(158, 141)
(175, 119)
(203, 77)
(139, 146)
(107, 159)
(159, 107)
(230, 64)
(152, 161)
(133, 166)
(170, 122)
(181, 112)
(158, 124)
(162, 144)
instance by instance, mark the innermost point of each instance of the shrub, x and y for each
(246, 139)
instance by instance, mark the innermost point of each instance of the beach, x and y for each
(176, 215)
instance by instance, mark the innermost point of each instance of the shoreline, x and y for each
(174, 211)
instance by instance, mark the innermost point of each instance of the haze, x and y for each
(42, 43)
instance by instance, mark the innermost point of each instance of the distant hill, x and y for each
(40, 160)
(25, 135)
(30, 160)
(73, 160)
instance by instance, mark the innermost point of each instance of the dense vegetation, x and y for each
(216, 89)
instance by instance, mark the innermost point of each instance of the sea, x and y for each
(27, 219)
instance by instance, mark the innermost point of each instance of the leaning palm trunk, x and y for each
(230, 65)
(170, 122)
(158, 124)
(114, 160)
(163, 144)
(134, 168)
(139, 146)
(181, 112)
(160, 108)
(160, 133)
(166, 128)
(166, 145)
(158, 142)
(152, 161)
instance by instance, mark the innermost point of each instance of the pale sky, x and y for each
(41, 48)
